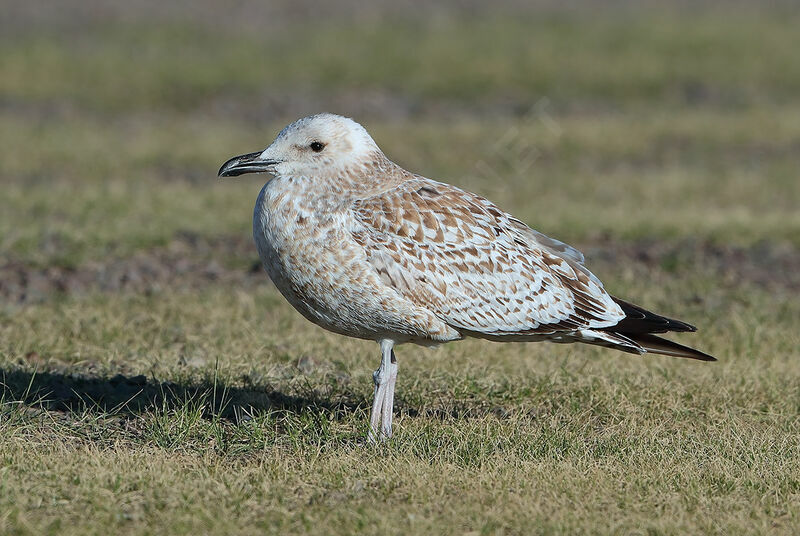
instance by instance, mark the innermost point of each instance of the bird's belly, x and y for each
(319, 269)
(308, 275)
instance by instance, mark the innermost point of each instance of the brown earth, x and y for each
(190, 261)
(187, 262)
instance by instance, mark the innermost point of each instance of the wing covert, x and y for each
(476, 267)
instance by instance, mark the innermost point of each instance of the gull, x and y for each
(364, 248)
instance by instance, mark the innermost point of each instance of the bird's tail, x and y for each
(638, 327)
(660, 345)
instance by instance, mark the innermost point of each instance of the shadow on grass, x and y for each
(127, 396)
(134, 395)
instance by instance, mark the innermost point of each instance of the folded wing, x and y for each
(479, 269)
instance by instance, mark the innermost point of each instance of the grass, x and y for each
(229, 435)
(454, 57)
(210, 406)
(728, 175)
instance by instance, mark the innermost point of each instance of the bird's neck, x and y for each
(343, 184)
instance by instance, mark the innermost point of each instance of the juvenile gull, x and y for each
(364, 248)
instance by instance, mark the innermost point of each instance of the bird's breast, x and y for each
(290, 235)
(305, 250)
(311, 256)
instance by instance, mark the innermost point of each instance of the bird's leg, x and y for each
(388, 400)
(377, 403)
(381, 377)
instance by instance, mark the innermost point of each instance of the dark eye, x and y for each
(316, 146)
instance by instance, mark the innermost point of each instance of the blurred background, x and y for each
(151, 375)
(614, 119)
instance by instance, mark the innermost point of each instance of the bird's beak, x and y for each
(247, 163)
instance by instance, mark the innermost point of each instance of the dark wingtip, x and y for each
(640, 320)
(659, 345)
(639, 325)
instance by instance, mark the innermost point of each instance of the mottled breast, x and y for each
(307, 249)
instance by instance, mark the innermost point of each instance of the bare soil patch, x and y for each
(188, 261)
(768, 265)
(191, 261)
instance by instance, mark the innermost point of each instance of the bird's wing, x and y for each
(476, 267)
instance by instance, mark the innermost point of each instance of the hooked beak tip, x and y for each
(246, 163)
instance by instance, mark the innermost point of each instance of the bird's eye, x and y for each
(316, 146)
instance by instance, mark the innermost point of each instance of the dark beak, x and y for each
(246, 163)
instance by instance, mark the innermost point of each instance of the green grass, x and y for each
(215, 408)
(562, 438)
(741, 56)
(730, 176)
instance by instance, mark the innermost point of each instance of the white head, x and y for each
(309, 146)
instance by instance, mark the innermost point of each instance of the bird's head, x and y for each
(310, 146)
